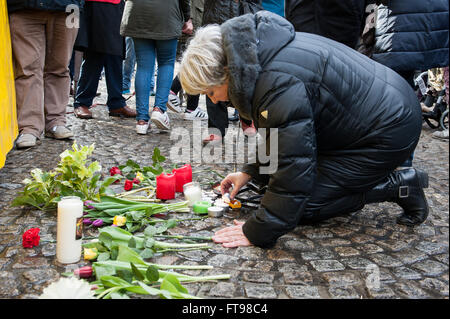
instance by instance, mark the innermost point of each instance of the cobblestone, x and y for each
(338, 258)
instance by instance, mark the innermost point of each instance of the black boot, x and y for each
(404, 187)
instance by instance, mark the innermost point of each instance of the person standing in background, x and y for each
(155, 27)
(103, 47)
(398, 34)
(42, 45)
(217, 12)
(128, 65)
(192, 111)
(338, 20)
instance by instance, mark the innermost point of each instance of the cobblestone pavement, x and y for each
(362, 255)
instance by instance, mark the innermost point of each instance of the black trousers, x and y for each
(91, 69)
(339, 20)
(191, 100)
(345, 176)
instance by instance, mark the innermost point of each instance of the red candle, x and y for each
(183, 175)
(165, 186)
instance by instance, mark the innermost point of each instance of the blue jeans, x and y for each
(147, 51)
(128, 64)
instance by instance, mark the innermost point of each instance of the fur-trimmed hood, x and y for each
(249, 42)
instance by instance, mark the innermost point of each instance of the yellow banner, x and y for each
(8, 118)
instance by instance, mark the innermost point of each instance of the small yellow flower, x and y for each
(119, 220)
(139, 176)
(90, 253)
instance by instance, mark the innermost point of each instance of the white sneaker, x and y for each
(161, 120)
(196, 114)
(442, 135)
(174, 103)
(142, 127)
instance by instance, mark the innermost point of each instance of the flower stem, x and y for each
(184, 237)
(180, 249)
(134, 191)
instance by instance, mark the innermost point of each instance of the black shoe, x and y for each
(404, 187)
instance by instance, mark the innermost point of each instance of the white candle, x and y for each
(69, 230)
(192, 192)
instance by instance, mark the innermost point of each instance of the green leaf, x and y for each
(114, 252)
(150, 231)
(161, 229)
(171, 223)
(106, 182)
(146, 253)
(129, 255)
(132, 164)
(149, 242)
(112, 281)
(103, 256)
(155, 292)
(97, 245)
(103, 270)
(137, 274)
(125, 274)
(175, 282)
(132, 243)
(152, 273)
(94, 180)
(106, 239)
(157, 157)
(136, 215)
(169, 287)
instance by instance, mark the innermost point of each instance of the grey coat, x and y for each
(154, 19)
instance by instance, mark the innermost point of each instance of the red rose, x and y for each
(31, 238)
(136, 181)
(128, 185)
(115, 170)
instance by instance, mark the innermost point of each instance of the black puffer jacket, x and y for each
(325, 98)
(412, 34)
(219, 11)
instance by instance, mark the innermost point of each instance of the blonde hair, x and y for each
(203, 62)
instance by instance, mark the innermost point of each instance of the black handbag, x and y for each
(249, 6)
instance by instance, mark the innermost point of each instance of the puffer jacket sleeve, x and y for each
(185, 9)
(285, 102)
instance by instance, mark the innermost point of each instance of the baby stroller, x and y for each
(431, 94)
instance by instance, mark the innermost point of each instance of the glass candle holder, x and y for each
(165, 186)
(192, 192)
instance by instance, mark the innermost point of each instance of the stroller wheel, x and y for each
(444, 120)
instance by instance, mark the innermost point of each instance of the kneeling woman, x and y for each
(345, 123)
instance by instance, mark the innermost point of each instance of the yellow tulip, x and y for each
(90, 253)
(119, 220)
(139, 176)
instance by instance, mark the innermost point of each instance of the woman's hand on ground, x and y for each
(235, 180)
(232, 236)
